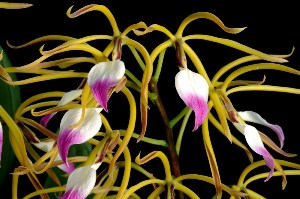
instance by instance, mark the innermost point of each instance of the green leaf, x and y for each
(10, 101)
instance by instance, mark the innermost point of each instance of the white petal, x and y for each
(254, 117)
(70, 96)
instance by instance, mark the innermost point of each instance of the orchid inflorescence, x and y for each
(39, 149)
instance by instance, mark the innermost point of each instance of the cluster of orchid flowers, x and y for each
(85, 108)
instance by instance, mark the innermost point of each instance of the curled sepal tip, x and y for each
(254, 117)
(254, 141)
(84, 131)
(102, 79)
(81, 182)
(193, 90)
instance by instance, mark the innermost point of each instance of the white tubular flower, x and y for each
(103, 77)
(254, 141)
(254, 117)
(68, 97)
(193, 90)
(81, 182)
(87, 129)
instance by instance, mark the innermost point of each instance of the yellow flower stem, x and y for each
(63, 64)
(130, 127)
(133, 27)
(276, 173)
(211, 158)
(156, 192)
(68, 106)
(204, 179)
(39, 105)
(127, 171)
(100, 8)
(264, 88)
(137, 167)
(185, 190)
(253, 67)
(82, 40)
(108, 184)
(109, 48)
(7, 5)
(16, 138)
(182, 129)
(178, 117)
(51, 76)
(43, 191)
(137, 57)
(231, 65)
(160, 48)
(51, 154)
(37, 97)
(253, 194)
(205, 15)
(15, 183)
(159, 65)
(236, 45)
(140, 185)
(41, 39)
(38, 71)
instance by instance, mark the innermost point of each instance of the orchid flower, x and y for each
(84, 131)
(47, 146)
(254, 117)
(103, 77)
(193, 90)
(254, 141)
(1, 141)
(68, 97)
(80, 182)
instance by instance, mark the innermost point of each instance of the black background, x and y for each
(272, 28)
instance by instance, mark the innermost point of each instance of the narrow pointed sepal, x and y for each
(81, 182)
(254, 117)
(87, 129)
(67, 97)
(193, 90)
(254, 141)
(103, 77)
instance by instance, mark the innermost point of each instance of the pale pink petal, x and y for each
(254, 141)
(193, 90)
(87, 129)
(47, 146)
(67, 97)
(254, 117)
(81, 182)
(1, 141)
(104, 76)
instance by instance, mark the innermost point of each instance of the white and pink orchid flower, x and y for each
(87, 129)
(46, 147)
(254, 117)
(81, 182)
(103, 77)
(1, 141)
(254, 141)
(67, 97)
(193, 90)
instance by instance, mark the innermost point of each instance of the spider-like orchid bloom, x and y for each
(68, 97)
(103, 77)
(87, 129)
(251, 116)
(81, 182)
(1, 141)
(254, 141)
(193, 90)
(47, 146)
